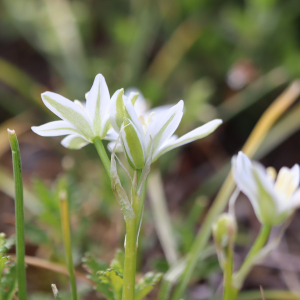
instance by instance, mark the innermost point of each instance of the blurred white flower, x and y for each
(273, 199)
(142, 129)
(81, 123)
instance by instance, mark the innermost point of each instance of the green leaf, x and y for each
(114, 280)
(3, 248)
(118, 262)
(9, 283)
(93, 266)
(146, 284)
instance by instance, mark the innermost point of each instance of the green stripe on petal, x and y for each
(55, 128)
(97, 103)
(191, 136)
(69, 111)
(132, 143)
(117, 110)
(163, 126)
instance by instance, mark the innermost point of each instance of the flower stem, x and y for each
(19, 211)
(66, 232)
(230, 292)
(259, 242)
(130, 260)
(102, 153)
(270, 116)
(232, 289)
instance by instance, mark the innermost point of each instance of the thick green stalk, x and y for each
(103, 155)
(66, 232)
(130, 260)
(19, 211)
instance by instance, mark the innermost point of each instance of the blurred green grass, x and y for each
(227, 59)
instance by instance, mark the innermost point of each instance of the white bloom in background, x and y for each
(273, 199)
(81, 123)
(141, 130)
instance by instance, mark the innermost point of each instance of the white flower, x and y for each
(141, 130)
(80, 124)
(273, 200)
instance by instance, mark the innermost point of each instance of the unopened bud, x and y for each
(224, 230)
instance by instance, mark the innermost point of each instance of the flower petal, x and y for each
(111, 135)
(131, 114)
(133, 145)
(74, 142)
(243, 177)
(70, 112)
(55, 128)
(112, 145)
(97, 103)
(117, 109)
(163, 126)
(193, 135)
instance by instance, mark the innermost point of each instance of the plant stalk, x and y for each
(19, 211)
(260, 241)
(270, 116)
(130, 260)
(66, 232)
(103, 155)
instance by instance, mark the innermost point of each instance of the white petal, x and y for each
(193, 135)
(294, 202)
(243, 177)
(111, 146)
(74, 142)
(133, 145)
(163, 126)
(55, 128)
(111, 135)
(70, 112)
(117, 109)
(133, 117)
(97, 103)
(295, 170)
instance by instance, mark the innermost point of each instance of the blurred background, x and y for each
(225, 59)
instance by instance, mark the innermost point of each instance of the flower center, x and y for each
(145, 121)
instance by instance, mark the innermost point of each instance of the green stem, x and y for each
(232, 290)
(19, 210)
(203, 236)
(259, 242)
(230, 293)
(228, 276)
(66, 231)
(130, 260)
(141, 206)
(102, 153)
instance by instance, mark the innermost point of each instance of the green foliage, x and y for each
(9, 282)
(109, 281)
(113, 280)
(7, 270)
(146, 284)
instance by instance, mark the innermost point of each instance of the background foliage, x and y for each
(226, 59)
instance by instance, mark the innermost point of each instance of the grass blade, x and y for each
(19, 211)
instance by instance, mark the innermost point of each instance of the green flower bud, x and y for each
(224, 230)
(132, 145)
